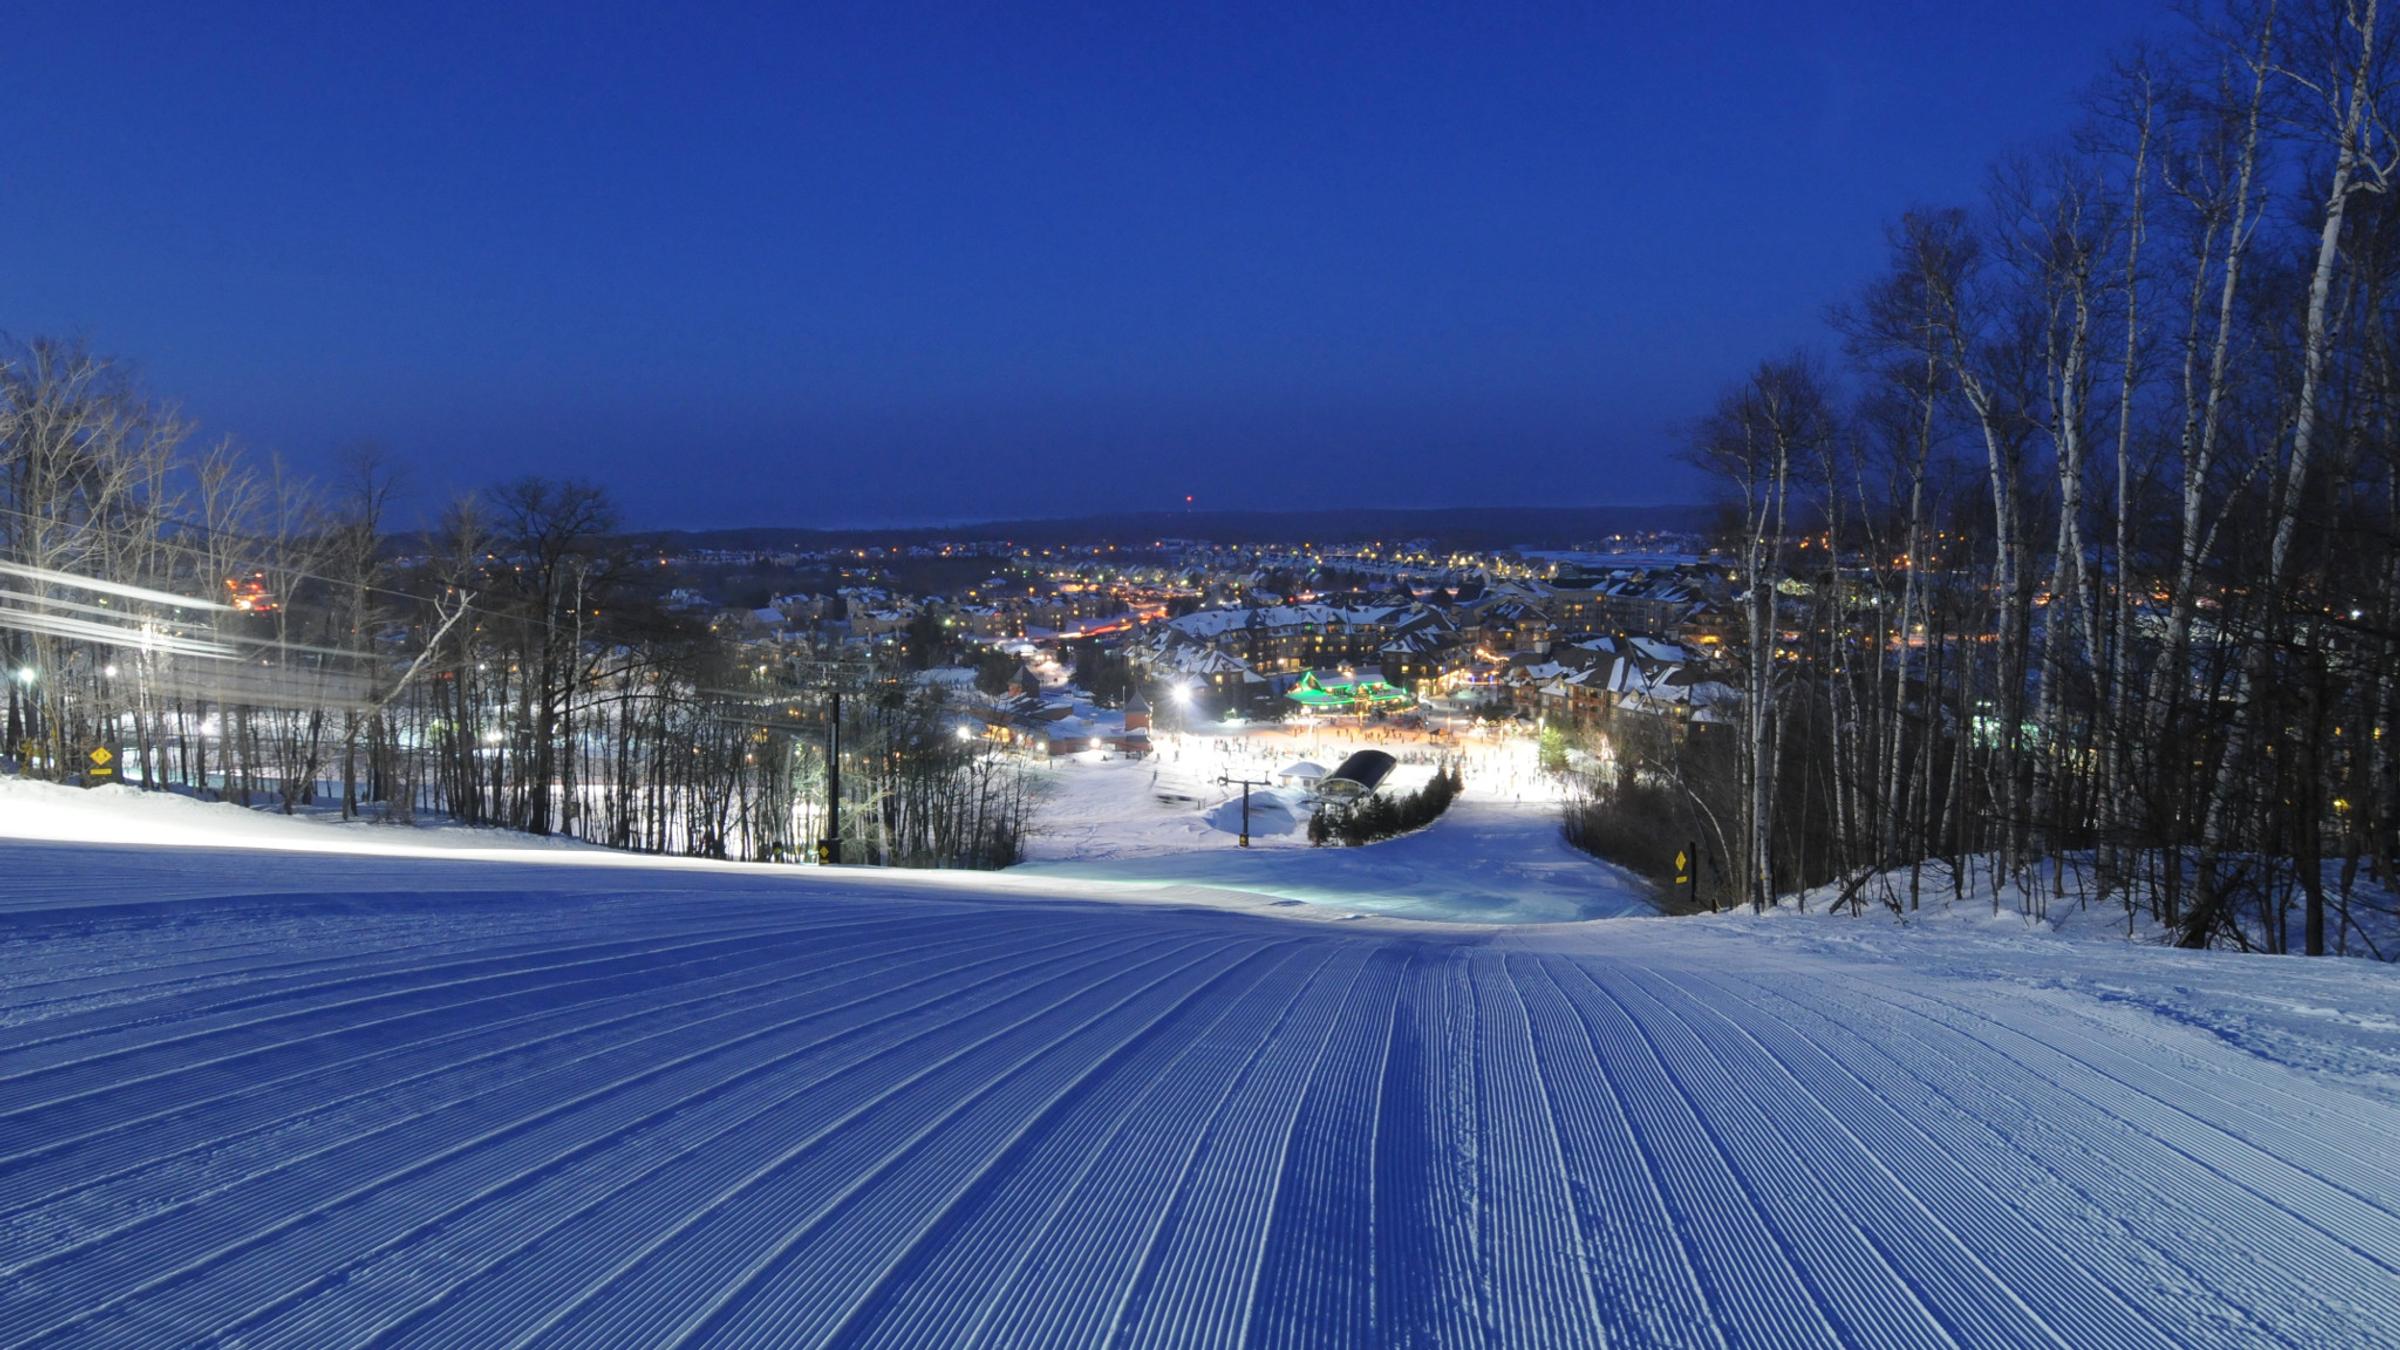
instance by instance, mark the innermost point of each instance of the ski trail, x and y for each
(258, 1051)
(2271, 1116)
(1891, 1177)
(2088, 1211)
(1076, 1277)
(119, 1200)
(223, 1166)
(956, 1272)
(1642, 1263)
(329, 1101)
(695, 1271)
(2369, 1232)
(443, 1042)
(1749, 1264)
(1181, 1293)
(231, 1019)
(1316, 1272)
(1533, 1241)
(499, 1143)
(866, 1234)
(1429, 1289)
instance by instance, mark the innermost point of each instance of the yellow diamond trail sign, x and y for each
(103, 766)
(1683, 867)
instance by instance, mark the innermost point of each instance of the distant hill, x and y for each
(1458, 527)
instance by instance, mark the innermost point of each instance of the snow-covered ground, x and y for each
(2066, 896)
(449, 1094)
(1483, 861)
(1169, 820)
(121, 814)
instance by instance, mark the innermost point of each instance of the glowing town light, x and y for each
(110, 671)
(24, 674)
(965, 732)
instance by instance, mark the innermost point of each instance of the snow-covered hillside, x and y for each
(1483, 861)
(317, 1098)
(1497, 856)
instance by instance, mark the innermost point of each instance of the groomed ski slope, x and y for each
(312, 1100)
(1482, 862)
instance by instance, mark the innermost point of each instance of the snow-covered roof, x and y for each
(1205, 661)
(1205, 623)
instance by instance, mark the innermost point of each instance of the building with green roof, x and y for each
(1320, 695)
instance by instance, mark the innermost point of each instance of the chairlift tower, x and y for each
(1245, 784)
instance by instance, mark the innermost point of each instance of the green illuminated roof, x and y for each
(1312, 692)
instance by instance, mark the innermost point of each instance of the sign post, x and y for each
(100, 766)
(1687, 874)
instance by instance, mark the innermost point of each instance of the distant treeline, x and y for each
(1463, 527)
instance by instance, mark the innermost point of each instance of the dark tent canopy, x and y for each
(1358, 776)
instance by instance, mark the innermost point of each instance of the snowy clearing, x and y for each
(1166, 821)
(315, 1099)
(1483, 861)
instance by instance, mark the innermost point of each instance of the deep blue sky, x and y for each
(789, 264)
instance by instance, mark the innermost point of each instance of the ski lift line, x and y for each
(49, 603)
(60, 625)
(262, 541)
(66, 625)
(10, 622)
(262, 646)
(171, 644)
(822, 665)
(196, 551)
(164, 640)
(239, 683)
(819, 667)
(77, 582)
(297, 574)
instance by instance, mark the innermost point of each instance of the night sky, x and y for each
(881, 263)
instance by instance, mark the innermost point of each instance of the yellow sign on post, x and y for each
(103, 762)
(1683, 867)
